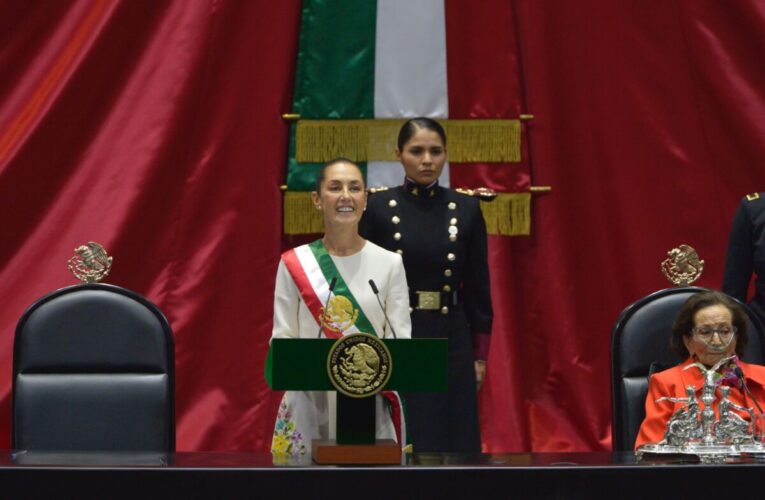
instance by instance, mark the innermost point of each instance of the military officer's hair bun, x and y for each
(411, 127)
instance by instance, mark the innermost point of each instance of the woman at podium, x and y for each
(442, 237)
(323, 290)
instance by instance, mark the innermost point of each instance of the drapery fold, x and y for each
(165, 144)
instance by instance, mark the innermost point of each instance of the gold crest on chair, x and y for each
(682, 265)
(90, 263)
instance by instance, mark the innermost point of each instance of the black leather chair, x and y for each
(640, 346)
(93, 370)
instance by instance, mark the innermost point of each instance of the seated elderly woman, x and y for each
(709, 328)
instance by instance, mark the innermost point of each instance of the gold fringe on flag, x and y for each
(300, 216)
(508, 215)
(469, 141)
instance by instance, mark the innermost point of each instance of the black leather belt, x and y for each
(425, 300)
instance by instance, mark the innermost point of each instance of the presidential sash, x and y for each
(312, 270)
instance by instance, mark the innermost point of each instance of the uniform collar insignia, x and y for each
(429, 191)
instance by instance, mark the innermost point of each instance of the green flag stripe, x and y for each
(335, 65)
(341, 288)
(300, 176)
(334, 77)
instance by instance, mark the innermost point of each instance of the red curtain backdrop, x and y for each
(154, 128)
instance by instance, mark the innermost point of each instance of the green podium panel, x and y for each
(417, 365)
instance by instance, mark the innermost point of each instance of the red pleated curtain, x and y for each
(155, 129)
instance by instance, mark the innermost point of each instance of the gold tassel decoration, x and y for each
(508, 215)
(318, 141)
(300, 216)
(469, 141)
(490, 141)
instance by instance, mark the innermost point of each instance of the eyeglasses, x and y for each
(706, 332)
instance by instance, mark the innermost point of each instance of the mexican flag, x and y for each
(365, 66)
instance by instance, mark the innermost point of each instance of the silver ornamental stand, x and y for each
(690, 432)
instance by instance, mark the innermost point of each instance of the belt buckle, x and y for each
(428, 300)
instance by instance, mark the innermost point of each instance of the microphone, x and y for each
(740, 374)
(323, 311)
(377, 296)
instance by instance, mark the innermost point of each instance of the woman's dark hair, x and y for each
(339, 159)
(413, 125)
(684, 320)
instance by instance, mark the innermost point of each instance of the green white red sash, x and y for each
(397, 409)
(312, 270)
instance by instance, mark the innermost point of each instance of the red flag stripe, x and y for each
(482, 67)
(484, 82)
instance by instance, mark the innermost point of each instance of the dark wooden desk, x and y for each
(251, 475)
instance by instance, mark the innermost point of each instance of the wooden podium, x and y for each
(418, 365)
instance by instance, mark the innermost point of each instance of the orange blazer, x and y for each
(672, 383)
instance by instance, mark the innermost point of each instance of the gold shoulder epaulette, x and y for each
(753, 196)
(377, 189)
(482, 193)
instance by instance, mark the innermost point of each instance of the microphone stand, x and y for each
(377, 296)
(740, 374)
(323, 312)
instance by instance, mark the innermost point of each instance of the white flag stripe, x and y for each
(410, 69)
(410, 59)
(384, 173)
(444, 179)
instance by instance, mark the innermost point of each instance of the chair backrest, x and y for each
(93, 370)
(640, 346)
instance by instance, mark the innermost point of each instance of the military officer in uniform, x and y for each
(441, 235)
(746, 253)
